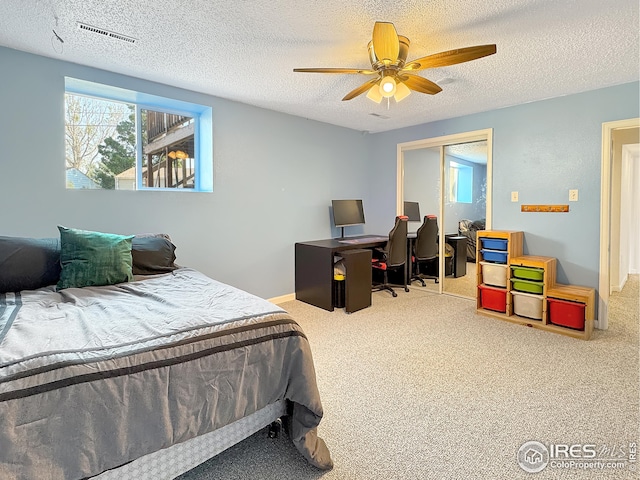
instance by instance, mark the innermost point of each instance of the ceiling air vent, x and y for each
(106, 33)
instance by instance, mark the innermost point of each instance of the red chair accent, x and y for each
(393, 256)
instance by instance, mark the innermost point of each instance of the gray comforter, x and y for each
(93, 378)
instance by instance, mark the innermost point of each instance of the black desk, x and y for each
(459, 244)
(314, 270)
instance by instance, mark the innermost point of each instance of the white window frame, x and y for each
(203, 127)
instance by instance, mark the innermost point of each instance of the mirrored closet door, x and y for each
(465, 206)
(448, 178)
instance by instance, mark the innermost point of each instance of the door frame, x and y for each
(443, 141)
(604, 285)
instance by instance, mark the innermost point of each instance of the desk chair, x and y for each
(425, 249)
(392, 256)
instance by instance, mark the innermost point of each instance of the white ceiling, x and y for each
(246, 50)
(475, 152)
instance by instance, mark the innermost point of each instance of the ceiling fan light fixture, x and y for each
(402, 91)
(394, 76)
(388, 86)
(374, 94)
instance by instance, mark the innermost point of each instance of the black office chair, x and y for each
(393, 256)
(425, 249)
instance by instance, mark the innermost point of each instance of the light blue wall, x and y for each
(274, 178)
(275, 174)
(422, 181)
(541, 150)
(422, 184)
(476, 210)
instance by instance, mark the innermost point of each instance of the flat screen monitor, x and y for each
(347, 212)
(412, 210)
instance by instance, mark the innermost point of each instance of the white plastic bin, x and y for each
(527, 305)
(494, 274)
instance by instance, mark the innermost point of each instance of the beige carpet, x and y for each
(420, 387)
(464, 286)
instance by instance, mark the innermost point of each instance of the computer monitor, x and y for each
(412, 210)
(347, 213)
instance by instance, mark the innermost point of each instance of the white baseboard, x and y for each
(618, 288)
(282, 298)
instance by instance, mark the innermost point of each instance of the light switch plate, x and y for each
(514, 196)
(573, 195)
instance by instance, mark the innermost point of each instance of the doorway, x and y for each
(449, 177)
(619, 209)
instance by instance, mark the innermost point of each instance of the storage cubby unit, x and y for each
(573, 302)
(494, 249)
(534, 275)
(522, 289)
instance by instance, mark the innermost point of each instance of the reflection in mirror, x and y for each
(422, 185)
(465, 169)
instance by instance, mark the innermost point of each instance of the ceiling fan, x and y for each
(393, 75)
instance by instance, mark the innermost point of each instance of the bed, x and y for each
(469, 229)
(120, 380)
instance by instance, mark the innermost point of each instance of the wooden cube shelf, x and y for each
(550, 289)
(575, 293)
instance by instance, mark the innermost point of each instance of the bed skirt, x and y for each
(168, 463)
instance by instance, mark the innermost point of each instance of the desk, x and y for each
(314, 271)
(459, 244)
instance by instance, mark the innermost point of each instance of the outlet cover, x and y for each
(573, 195)
(514, 196)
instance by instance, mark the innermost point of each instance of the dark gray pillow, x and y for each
(152, 255)
(28, 263)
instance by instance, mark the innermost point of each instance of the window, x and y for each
(460, 183)
(124, 140)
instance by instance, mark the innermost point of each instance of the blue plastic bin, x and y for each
(494, 243)
(495, 256)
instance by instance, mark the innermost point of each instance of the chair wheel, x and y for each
(394, 294)
(406, 289)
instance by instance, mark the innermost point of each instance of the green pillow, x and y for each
(93, 258)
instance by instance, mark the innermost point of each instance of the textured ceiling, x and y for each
(475, 152)
(246, 50)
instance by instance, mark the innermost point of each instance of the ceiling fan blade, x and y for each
(451, 57)
(335, 70)
(420, 84)
(385, 41)
(361, 89)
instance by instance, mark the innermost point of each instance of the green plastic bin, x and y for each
(528, 273)
(528, 286)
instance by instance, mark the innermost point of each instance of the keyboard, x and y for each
(356, 241)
